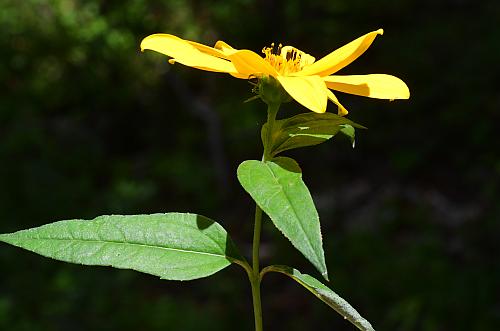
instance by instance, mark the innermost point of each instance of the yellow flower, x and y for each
(304, 79)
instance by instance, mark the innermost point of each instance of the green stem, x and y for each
(254, 275)
(272, 110)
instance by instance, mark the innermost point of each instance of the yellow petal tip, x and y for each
(342, 111)
(380, 31)
(143, 47)
(405, 93)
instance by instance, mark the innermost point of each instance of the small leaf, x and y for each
(349, 131)
(278, 189)
(307, 129)
(172, 246)
(325, 294)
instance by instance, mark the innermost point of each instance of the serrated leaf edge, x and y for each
(320, 259)
(336, 302)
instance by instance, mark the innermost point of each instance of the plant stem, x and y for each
(254, 276)
(272, 110)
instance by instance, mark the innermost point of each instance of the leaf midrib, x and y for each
(126, 243)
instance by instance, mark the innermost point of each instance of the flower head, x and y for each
(304, 79)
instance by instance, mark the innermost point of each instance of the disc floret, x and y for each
(287, 59)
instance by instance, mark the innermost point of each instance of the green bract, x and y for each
(271, 91)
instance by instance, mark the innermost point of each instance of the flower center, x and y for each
(287, 59)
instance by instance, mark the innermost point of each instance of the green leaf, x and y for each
(278, 189)
(307, 129)
(323, 293)
(349, 131)
(172, 246)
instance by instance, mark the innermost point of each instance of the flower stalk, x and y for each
(254, 275)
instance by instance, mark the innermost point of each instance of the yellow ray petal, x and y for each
(310, 91)
(224, 47)
(341, 57)
(185, 53)
(201, 67)
(374, 86)
(251, 64)
(207, 49)
(341, 109)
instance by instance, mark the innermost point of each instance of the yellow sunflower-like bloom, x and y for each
(304, 79)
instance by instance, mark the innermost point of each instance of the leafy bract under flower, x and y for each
(304, 79)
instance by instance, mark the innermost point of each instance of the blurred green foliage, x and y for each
(90, 126)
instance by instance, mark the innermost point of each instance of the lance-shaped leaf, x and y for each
(323, 293)
(172, 246)
(307, 129)
(278, 189)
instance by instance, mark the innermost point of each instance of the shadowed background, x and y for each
(91, 126)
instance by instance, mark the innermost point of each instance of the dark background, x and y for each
(91, 126)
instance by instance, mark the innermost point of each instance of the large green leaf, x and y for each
(278, 189)
(307, 129)
(324, 294)
(172, 246)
